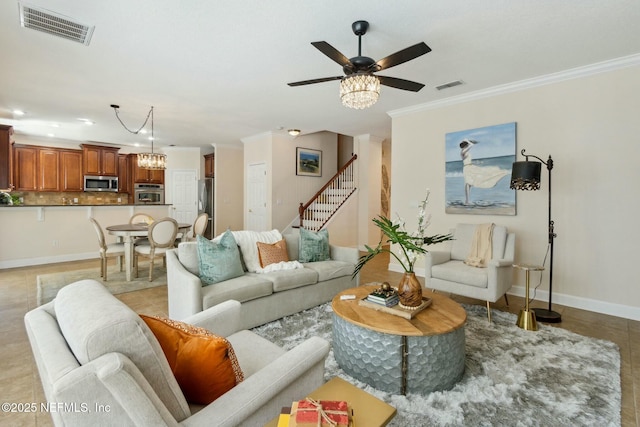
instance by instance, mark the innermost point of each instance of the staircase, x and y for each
(315, 214)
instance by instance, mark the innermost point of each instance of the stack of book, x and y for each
(386, 298)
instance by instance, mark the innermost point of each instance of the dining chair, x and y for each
(140, 218)
(111, 250)
(199, 227)
(162, 237)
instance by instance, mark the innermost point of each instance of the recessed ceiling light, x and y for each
(18, 112)
(143, 131)
(87, 122)
(136, 144)
(55, 125)
(51, 135)
(294, 132)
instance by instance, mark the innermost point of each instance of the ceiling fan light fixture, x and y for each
(360, 90)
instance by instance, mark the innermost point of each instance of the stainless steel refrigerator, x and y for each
(205, 203)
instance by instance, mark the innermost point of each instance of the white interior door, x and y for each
(184, 195)
(257, 197)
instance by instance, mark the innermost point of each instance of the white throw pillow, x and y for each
(247, 240)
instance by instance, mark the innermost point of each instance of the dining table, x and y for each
(129, 233)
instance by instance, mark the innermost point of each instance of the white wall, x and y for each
(289, 190)
(590, 127)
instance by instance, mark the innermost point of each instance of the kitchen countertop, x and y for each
(81, 206)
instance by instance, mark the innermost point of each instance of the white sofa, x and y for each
(264, 296)
(94, 353)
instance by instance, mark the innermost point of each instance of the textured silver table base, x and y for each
(434, 362)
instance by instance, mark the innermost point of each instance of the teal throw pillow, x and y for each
(313, 246)
(218, 261)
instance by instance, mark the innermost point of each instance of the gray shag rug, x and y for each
(512, 377)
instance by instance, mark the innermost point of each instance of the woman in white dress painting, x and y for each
(477, 176)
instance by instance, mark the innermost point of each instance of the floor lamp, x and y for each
(526, 176)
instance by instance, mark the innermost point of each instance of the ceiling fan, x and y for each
(360, 87)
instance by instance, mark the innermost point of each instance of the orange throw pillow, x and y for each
(272, 253)
(204, 364)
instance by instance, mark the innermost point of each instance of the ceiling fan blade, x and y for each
(400, 83)
(308, 82)
(333, 53)
(402, 56)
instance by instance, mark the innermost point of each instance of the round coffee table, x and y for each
(398, 355)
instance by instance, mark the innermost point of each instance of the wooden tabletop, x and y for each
(139, 227)
(443, 315)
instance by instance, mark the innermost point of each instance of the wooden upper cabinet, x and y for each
(6, 157)
(25, 160)
(124, 174)
(140, 175)
(100, 160)
(48, 169)
(71, 176)
(209, 161)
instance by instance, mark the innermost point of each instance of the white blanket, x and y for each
(280, 266)
(481, 246)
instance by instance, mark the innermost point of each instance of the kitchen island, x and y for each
(43, 234)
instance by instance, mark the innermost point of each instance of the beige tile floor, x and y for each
(19, 381)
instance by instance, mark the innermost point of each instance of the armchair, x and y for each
(94, 353)
(446, 270)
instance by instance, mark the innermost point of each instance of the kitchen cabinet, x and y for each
(6, 157)
(48, 169)
(209, 161)
(124, 174)
(99, 160)
(141, 176)
(36, 168)
(25, 161)
(71, 176)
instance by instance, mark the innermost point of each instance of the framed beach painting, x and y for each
(308, 162)
(478, 170)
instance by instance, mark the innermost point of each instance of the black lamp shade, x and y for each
(525, 175)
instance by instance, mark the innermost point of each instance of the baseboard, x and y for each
(603, 307)
(27, 262)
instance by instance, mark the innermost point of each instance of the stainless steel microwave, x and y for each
(100, 183)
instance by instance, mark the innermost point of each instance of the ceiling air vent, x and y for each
(54, 24)
(450, 84)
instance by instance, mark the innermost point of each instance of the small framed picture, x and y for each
(308, 162)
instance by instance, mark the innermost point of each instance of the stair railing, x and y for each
(320, 208)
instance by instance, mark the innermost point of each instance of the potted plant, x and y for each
(409, 247)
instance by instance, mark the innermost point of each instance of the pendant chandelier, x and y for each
(153, 161)
(359, 90)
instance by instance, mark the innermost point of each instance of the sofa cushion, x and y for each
(289, 279)
(204, 364)
(218, 261)
(463, 237)
(272, 253)
(314, 246)
(247, 240)
(188, 256)
(95, 323)
(328, 270)
(459, 272)
(244, 288)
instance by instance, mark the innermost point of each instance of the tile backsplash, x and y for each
(72, 198)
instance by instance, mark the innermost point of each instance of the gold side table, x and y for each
(527, 318)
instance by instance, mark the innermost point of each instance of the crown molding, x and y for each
(574, 73)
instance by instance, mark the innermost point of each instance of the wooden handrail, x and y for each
(304, 206)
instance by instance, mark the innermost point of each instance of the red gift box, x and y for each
(323, 413)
